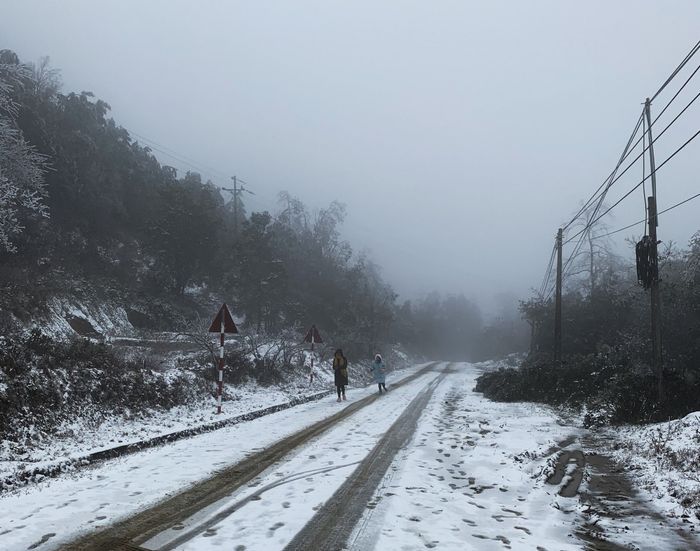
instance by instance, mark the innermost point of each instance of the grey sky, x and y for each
(459, 134)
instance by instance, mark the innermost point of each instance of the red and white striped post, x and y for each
(313, 336)
(312, 357)
(223, 323)
(220, 388)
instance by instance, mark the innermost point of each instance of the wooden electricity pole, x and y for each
(557, 299)
(657, 358)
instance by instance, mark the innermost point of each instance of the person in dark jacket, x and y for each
(378, 370)
(340, 369)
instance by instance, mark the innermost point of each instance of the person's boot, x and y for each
(344, 398)
(338, 400)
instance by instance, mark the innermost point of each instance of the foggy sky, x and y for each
(459, 134)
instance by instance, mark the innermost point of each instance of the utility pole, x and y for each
(557, 306)
(236, 193)
(235, 205)
(654, 262)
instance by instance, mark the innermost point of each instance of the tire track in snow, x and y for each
(333, 524)
(142, 526)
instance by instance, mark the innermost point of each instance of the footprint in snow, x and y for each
(43, 540)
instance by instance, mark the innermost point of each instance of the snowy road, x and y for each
(430, 465)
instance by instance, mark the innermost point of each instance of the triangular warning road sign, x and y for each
(313, 332)
(229, 326)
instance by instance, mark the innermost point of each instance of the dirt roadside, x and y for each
(611, 507)
(136, 529)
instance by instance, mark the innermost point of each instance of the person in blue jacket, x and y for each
(378, 370)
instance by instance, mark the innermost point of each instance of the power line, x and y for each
(610, 176)
(657, 137)
(687, 58)
(644, 219)
(188, 161)
(676, 95)
(179, 156)
(548, 272)
(634, 161)
(641, 138)
(191, 165)
(601, 192)
(637, 186)
(637, 158)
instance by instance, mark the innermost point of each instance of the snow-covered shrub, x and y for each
(611, 387)
(47, 382)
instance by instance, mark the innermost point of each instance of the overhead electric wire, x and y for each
(636, 186)
(611, 175)
(641, 155)
(687, 58)
(641, 138)
(574, 254)
(634, 161)
(656, 138)
(548, 272)
(594, 219)
(675, 95)
(188, 161)
(601, 192)
(645, 220)
(191, 165)
(179, 156)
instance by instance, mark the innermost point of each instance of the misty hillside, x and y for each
(114, 227)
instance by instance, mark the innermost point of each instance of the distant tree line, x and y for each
(85, 206)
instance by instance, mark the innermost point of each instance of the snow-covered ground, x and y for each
(97, 496)
(280, 502)
(77, 438)
(663, 459)
(68, 447)
(474, 476)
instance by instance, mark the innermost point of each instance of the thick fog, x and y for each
(460, 135)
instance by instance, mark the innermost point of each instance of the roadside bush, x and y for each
(611, 387)
(45, 382)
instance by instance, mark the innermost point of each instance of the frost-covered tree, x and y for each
(22, 190)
